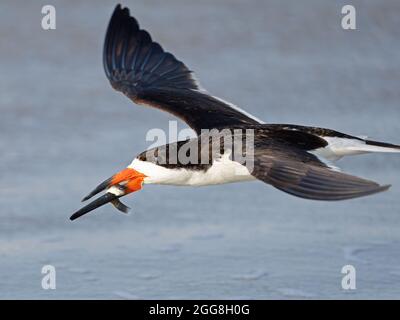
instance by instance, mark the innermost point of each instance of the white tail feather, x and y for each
(340, 147)
(371, 148)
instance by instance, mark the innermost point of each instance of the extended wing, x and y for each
(299, 173)
(143, 71)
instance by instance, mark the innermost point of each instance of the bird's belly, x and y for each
(221, 171)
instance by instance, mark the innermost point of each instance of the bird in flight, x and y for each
(292, 158)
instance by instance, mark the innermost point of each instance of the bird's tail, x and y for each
(376, 146)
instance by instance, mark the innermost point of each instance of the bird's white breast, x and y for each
(222, 171)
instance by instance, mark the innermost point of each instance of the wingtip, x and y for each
(120, 9)
(378, 189)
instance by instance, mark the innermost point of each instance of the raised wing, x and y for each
(143, 71)
(301, 174)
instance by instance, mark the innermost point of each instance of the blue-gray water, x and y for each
(63, 130)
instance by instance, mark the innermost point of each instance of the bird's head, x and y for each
(120, 184)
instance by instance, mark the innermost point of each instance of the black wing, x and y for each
(301, 174)
(143, 71)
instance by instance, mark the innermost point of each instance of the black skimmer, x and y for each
(292, 158)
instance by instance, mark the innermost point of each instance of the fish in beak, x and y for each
(119, 185)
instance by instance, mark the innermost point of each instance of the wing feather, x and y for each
(298, 173)
(143, 71)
